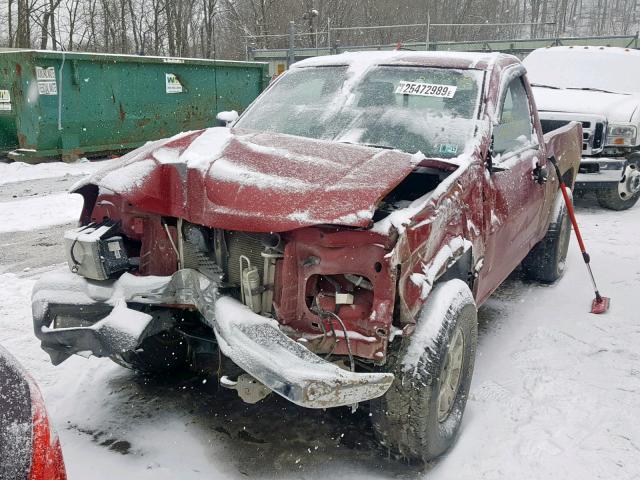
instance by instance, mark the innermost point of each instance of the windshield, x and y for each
(610, 70)
(431, 110)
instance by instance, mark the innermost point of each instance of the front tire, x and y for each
(611, 199)
(420, 415)
(625, 193)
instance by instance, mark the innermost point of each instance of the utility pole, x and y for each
(291, 57)
(428, 39)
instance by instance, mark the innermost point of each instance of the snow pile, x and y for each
(22, 172)
(39, 212)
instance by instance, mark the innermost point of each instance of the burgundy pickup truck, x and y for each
(332, 245)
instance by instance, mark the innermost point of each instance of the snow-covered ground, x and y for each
(556, 391)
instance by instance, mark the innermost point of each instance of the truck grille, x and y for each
(593, 130)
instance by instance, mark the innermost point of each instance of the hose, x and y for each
(346, 337)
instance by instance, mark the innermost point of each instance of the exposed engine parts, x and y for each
(249, 389)
(95, 251)
(244, 262)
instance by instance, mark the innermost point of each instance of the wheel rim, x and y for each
(630, 183)
(451, 375)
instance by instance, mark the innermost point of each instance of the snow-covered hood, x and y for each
(244, 180)
(615, 107)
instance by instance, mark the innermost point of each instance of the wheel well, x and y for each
(462, 269)
(568, 178)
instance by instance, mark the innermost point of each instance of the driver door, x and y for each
(512, 196)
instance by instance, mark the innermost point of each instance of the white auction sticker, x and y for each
(173, 84)
(426, 89)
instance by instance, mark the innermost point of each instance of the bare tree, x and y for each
(224, 28)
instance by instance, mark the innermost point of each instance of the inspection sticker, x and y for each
(426, 89)
(173, 84)
(46, 81)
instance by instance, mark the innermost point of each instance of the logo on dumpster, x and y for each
(173, 84)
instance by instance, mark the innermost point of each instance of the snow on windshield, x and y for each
(609, 69)
(432, 110)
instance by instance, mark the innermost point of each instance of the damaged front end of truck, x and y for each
(283, 275)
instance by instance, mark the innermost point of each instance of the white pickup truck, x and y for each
(600, 88)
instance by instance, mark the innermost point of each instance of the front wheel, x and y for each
(625, 193)
(421, 413)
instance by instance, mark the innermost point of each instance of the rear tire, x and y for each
(546, 261)
(420, 415)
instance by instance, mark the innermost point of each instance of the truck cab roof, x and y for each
(461, 60)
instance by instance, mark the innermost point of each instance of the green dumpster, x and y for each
(68, 105)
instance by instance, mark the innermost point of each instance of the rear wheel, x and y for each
(546, 261)
(623, 195)
(421, 413)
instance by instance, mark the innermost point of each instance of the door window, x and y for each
(515, 128)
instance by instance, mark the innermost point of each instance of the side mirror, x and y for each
(491, 155)
(225, 119)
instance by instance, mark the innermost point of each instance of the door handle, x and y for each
(540, 174)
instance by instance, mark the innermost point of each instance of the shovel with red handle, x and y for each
(600, 304)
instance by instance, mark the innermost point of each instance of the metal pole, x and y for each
(291, 57)
(329, 34)
(428, 31)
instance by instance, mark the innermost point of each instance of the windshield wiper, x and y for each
(588, 89)
(545, 86)
(591, 89)
(372, 145)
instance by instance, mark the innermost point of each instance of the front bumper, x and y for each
(606, 173)
(68, 318)
(599, 172)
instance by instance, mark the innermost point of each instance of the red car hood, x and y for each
(243, 180)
